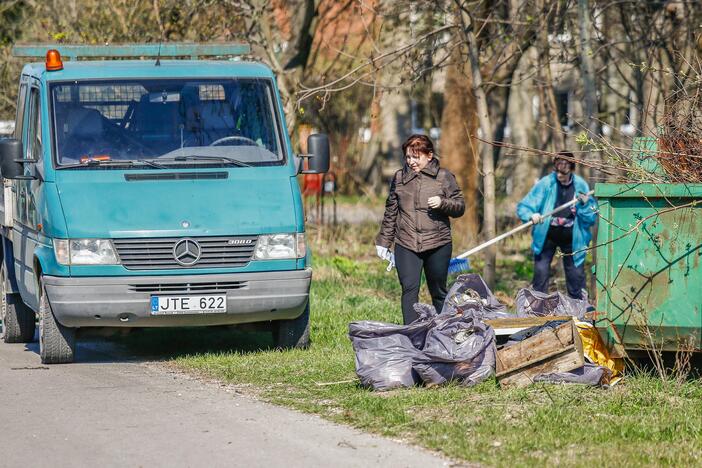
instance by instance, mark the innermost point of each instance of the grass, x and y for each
(643, 421)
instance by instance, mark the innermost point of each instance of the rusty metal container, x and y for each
(649, 278)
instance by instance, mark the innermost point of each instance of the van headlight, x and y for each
(280, 246)
(85, 252)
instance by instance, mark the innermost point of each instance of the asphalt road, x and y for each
(109, 411)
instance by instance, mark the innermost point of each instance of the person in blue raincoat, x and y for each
(567, 230)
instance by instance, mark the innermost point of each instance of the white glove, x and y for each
(536, 218)
(383, 252)
(391, 263)
(434, 202)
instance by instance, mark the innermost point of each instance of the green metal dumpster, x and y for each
(649, 279)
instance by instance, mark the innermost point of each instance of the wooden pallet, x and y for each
(553, 350)
(512, 325)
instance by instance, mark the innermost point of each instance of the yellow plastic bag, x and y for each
(595, 350)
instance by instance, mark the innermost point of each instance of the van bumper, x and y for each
(126, 301)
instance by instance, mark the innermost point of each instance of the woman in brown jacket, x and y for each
(422, 197)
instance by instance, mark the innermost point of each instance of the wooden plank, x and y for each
(543, 344)
(539, 358)
(525, 376)
(552, 350)
(508, 331)
(524, 322)
(512, 325)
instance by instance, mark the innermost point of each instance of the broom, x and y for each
(461, 263)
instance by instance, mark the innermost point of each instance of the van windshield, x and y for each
(166, 122)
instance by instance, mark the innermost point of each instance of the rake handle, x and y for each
(521, 227)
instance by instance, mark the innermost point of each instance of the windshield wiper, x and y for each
(151, 163)
(194, 157)
(114, 162)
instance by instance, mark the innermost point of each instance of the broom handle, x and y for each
(519, 228)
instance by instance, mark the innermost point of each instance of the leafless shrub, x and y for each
(683, 359)
(680, 368)
(680, 145)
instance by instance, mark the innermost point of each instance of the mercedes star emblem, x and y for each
(187, 252)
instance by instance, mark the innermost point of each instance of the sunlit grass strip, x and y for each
(642, 422)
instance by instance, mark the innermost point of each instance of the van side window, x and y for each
(19, 117)
(34, 145)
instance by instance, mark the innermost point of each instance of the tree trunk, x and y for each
(587, 70)
(458, 147)
(395, 112)
(524, 168)
(370, 163)
(546, 82)
(488, 163)
(552, 13)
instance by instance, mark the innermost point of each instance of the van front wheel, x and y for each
(57, 343)
(295, 333)
(18, 320)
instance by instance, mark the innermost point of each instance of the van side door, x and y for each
(26, 220)
(8, 250)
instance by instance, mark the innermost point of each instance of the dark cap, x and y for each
(565, 156)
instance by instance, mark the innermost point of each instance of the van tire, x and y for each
(18, 320)
(57, 344)
(294, 333)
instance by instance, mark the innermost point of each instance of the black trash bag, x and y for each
(460, 348)
(589, 374)
(532, 303)
(415, 331)
(424, 311)
(469, 292)
(385, 362)
(529, 332)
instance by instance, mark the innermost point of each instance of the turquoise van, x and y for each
(151, 193)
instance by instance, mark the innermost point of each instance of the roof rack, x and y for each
(169, 49)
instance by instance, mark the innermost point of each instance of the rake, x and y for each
(460, 263)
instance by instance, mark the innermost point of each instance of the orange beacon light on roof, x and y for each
(53, 60)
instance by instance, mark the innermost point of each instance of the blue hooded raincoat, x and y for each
(542, 198)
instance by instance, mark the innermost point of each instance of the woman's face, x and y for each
(418, 161)
(562, 166)
(563, 170)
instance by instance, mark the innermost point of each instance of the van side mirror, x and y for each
(318, 157)
(11, 158)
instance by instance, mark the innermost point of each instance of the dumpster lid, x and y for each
(641, 190)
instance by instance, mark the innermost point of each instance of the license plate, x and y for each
(161, 305)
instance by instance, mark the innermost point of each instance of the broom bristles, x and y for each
(458, 265)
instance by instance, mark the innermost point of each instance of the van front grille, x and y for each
(160, 253)
(188, 288)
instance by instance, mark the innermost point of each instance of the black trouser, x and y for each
(409, 269)
(575, 275)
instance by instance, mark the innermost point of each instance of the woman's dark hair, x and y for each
(417, 144)
(569, 157)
